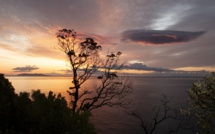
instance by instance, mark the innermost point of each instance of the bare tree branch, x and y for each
(162, 114)
(84, 57)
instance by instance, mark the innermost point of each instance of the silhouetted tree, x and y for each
(7, 107)
(38, 113)
(85, 61)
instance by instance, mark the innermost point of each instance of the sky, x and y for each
(153, 35)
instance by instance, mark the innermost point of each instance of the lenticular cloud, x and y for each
(157, 37)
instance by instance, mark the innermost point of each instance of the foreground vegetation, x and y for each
(37, 113)
(202, 104)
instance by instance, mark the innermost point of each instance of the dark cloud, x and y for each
(27, 68)
(160, 36)
(140, 66)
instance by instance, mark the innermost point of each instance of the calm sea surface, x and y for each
(146, 95)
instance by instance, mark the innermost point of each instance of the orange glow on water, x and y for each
(46, 84)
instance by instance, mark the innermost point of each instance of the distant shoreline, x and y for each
(97, 76)
(36, 74)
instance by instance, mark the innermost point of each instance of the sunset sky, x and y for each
(153, 35)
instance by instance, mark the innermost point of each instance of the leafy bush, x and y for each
(202, 104)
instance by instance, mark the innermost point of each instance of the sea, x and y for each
(146, 95)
